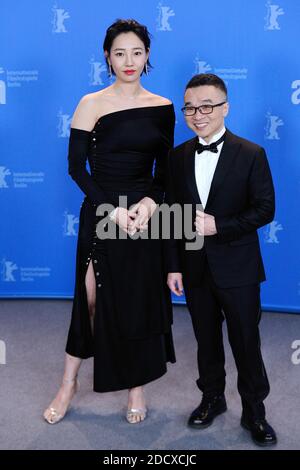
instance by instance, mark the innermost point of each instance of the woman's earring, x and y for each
(109, 71)
(146, 68)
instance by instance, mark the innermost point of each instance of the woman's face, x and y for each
(127, 56)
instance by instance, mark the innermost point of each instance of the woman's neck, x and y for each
(128, 90)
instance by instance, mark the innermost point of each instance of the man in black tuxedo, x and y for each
(230, 177)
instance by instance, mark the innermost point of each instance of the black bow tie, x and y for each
(211, 147)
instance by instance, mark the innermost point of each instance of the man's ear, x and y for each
(226, 109)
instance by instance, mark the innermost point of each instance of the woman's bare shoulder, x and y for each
(89, 109)
(158, 100)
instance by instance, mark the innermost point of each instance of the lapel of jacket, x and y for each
(189, 168)
(227, 155)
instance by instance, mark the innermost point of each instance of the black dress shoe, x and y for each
(205, 413)
(261, 432)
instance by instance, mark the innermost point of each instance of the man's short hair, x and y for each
(207, 79)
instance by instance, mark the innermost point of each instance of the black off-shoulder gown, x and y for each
(132, 339)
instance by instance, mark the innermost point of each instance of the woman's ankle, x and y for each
(69, 379)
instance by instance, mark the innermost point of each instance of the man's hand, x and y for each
(205, 224)
(140, 214)
(175, 283)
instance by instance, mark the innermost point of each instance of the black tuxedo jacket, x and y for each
(241, 199)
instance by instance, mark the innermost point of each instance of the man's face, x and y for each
(206, 125)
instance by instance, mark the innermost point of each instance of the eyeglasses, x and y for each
(203, 109)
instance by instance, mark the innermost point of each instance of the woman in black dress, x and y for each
(122, 310)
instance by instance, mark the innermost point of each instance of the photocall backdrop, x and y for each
(51, 55)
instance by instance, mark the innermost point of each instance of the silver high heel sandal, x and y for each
(54, 416)
(136, 415)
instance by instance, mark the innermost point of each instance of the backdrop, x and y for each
(51, 55)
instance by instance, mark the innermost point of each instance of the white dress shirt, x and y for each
(205, 166)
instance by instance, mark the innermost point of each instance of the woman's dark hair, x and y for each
(126, 26)
(207, 79)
